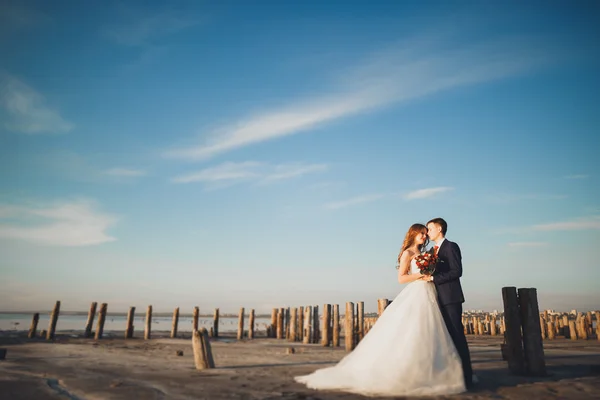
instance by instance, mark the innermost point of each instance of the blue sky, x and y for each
(265, 155)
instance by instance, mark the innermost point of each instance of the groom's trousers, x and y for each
(452, 314)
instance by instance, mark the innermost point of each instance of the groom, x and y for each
(450, 295)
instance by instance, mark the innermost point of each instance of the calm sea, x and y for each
(21, 322)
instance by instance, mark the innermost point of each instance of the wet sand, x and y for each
(113, 368)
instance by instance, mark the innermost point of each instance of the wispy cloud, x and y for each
(75, 223)
(425, 193)
(404, 73)
(224, 172)
(579, 176)
(125, 172)
(287, 171)
(231, 173)
(353, 201)
(527, 244)
(25, 110)
(590, 223)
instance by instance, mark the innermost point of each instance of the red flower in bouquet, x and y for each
(427, 262)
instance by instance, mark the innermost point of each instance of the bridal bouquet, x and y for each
(426, 262)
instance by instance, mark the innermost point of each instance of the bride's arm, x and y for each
(403, 275)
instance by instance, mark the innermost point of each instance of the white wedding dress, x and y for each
(408, 351)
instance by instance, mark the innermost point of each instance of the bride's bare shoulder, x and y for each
(408, 254)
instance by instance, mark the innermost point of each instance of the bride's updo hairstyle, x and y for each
(409, 239)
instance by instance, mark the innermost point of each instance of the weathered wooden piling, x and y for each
(308, 319)
(316, 325)
(335, 340)
(360, 321)
(130, 319)
(280, 321)
(251, 324)
(293, 336)
(195, 318)
(349, 326)
(274, 313)
(551, 331)
(532, 338)
(513, 348)
(148, 325)
(240, 330)
(215, 327)
(175, 323)
(325, 337)
(300, 324)
(33, 328)
(53, 320)
(287, 323)
(90, 320)
(101, 320)
(203, 358)
(381, 305)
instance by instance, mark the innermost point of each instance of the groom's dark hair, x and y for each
(441, 223)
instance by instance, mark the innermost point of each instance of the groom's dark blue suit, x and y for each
(450, 298)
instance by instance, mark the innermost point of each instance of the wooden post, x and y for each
(300, 326)
(326, 326)
(597, 325)
(240, 330)
(583, 327)
(543, 327)
(335, 341)
(493, 327)
(361, 320)
(195, 316)
(90, 320)
(279, 329)
(175, 323)
(293, 336)
(316, 325)
(148, 328)
(307, 324)
(287, 322)
(381, 305)
(101, 320)
(551, 331)
(216, 323)
(274, 313)
(349, 326)
(33, 328)
(480, 327)
(251, 318)
(53, 321)
(588, 323)
(572, 330)
(513, 349)
(203, 357)
(130, 318)
(532, 336)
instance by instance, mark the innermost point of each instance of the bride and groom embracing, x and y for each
(418, 345)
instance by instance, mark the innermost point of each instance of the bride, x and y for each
(409, 350)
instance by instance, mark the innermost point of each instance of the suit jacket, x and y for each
(448, 272)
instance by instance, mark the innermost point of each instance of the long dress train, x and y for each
(408, 351)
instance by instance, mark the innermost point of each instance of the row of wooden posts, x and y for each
(303, 324)
(50, 333)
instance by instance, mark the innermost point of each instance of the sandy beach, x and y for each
(72, 367)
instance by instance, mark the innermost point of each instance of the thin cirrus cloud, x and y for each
(425, 193)
(590, 223)
(229, 173)
(125, 172)
(404, 73)
(69, 224)
(26, 111)
(353, 201)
